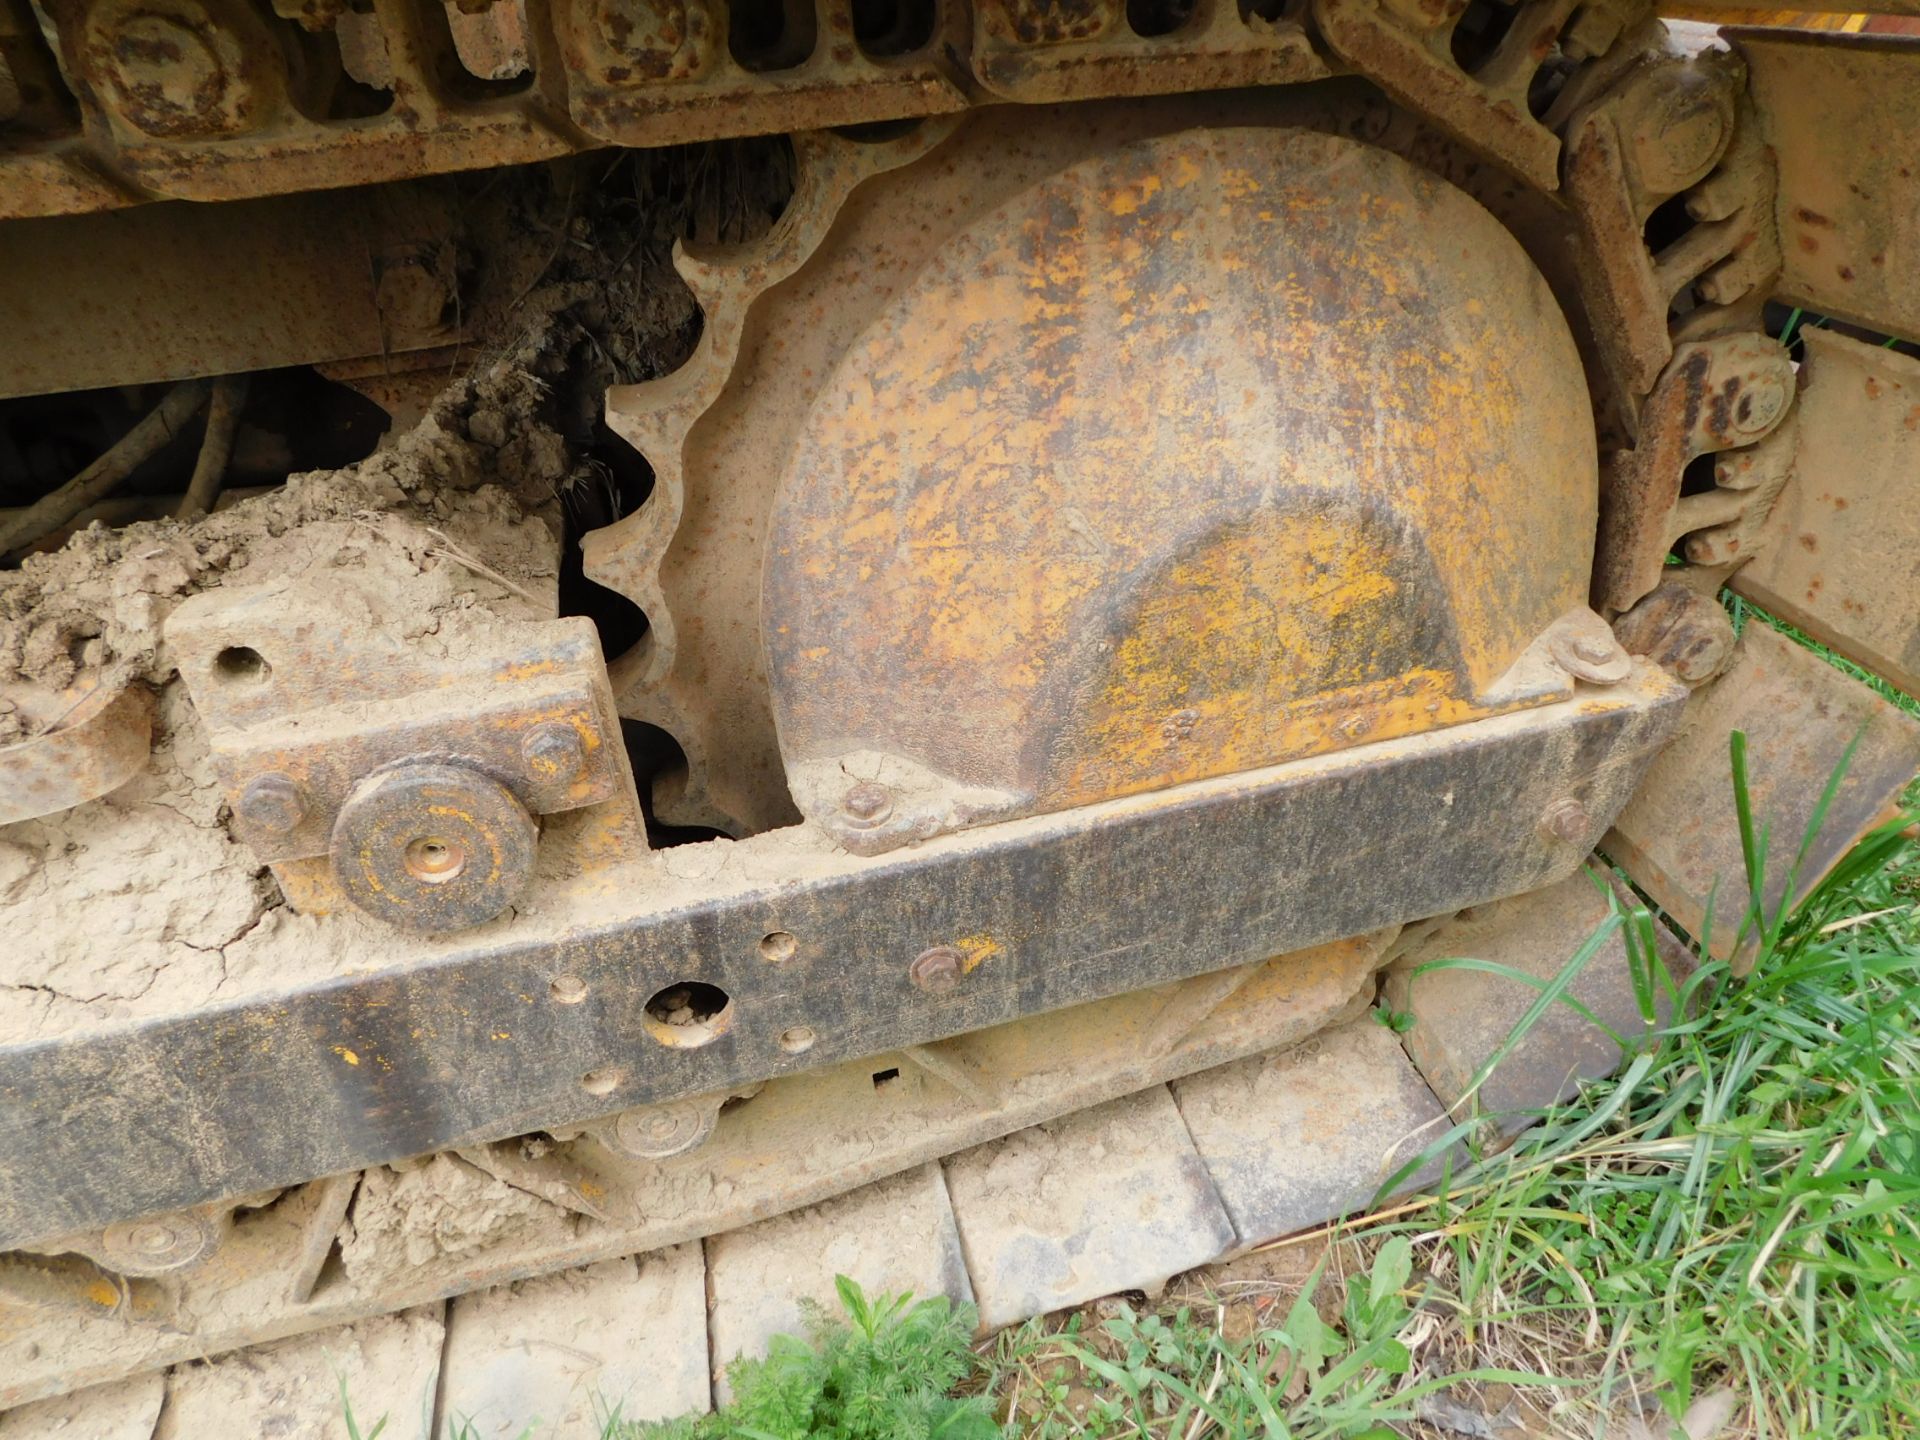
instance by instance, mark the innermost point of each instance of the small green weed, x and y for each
(1308, 1378)
(353, 1425)
(890, 1374)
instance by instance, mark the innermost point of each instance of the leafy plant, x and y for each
(1308, 1378)
(353, 1425)
(889, 1374)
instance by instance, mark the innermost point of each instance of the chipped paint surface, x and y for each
(1187, 459)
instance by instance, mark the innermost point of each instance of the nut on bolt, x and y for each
(554, 753)
(272, 802)
(1567, 821)
(866, 805)
(1589, 652)
(938, 970)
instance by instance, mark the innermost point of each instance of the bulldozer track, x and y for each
(415, 1137)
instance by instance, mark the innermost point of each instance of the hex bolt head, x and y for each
(1567, 821)
(272, 802)
(867, 804)
(1593, 649)
(553, 753)
(938, 970)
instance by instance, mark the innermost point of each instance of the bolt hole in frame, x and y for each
(241, 665)
(688, 1014)
(768, 35)
(603, 1081)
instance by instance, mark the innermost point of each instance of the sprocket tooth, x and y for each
(657, 416)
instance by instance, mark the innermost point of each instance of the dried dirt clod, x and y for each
(402, 1220)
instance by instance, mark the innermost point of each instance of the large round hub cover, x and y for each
(1216, 450)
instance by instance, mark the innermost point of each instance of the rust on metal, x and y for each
(1687, 633)
(166, 292)
(1838, 114)
(430, 845)
(448, 1042)
(405, 777)
(92, 738)
(289, 760)
(1010, 570)
(1749, 480)
(1715, 395)
(763, 1157)
(720, 432)
(1842, 554)
(1660, 132)
(221, 99)
(1044, 50)
(1407, 47)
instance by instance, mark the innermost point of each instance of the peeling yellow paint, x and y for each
(976, 950)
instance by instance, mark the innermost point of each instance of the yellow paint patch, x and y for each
(978, 949)
(347, 1055)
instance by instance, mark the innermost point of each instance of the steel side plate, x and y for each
(469, 1044)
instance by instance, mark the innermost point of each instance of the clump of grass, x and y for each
(888, 1371)
(1741, 1205)
(1738, 1209)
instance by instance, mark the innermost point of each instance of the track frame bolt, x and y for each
(938, 970)
(553, 753)
(1593, 649)
(272, 802)
(1567, 821)
(866, 805)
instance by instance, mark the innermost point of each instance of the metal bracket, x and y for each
(417, 770)
(558, 1022)
(98, 740)
(1716, 395)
